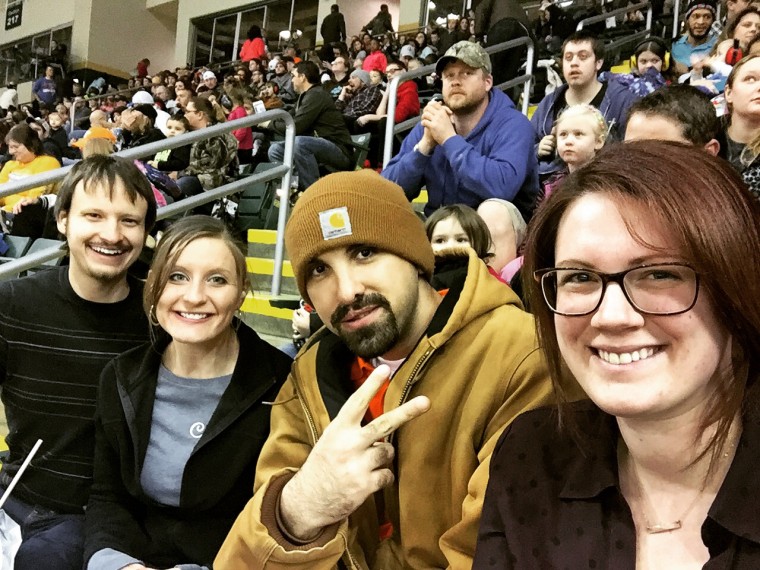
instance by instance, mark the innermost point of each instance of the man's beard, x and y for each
(699, 36)
(374, 339)
(465, 107)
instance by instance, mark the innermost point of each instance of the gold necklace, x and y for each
(661, 527)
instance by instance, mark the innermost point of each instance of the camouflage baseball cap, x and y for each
(467, 52)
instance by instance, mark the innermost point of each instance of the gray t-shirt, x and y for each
(181, 411)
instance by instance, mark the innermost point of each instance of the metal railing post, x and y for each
(603, 17)
(676, 18)
(282, 217)
(390, 118)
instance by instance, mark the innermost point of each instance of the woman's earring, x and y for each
(152, 316)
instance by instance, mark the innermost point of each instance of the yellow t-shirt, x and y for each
(15, 170)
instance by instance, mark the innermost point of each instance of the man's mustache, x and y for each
(372, 299)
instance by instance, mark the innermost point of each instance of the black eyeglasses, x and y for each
(659, 289)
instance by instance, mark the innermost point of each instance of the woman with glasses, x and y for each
(645, 287)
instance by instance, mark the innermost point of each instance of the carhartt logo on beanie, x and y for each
(355, 208)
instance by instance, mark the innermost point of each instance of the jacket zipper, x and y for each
(410, 382)
(306, 411)
(315, 437)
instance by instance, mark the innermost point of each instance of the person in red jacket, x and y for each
(407, 106)
(253, 47)
(376, 58)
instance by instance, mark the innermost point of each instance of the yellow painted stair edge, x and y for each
(266, 237)
(262, 266)
(259, 303)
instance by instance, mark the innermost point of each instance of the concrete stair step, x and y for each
(261, 243)
(261, 272)
(260, 310)
(260, 314)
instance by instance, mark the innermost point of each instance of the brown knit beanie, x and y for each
(350, 208)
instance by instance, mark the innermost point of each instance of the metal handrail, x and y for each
(390, 125)
(525, 77)
(284, 171)
(676, 18)
(625, 9)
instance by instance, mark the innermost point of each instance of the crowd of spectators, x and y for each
(169, 410)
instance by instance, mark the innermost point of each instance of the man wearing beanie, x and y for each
(362, 471)
(358, 98)
(698, 40)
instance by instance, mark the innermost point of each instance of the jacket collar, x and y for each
(733, 508)
(498, 103)
(594, 470)
(253, 376)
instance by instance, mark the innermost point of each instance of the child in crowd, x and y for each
(458, 227)
(244, 136)
(175, 159)
(269, 96)
(651, 68)
(57, 135)
(580, 131)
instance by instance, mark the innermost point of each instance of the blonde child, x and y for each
(580, 131)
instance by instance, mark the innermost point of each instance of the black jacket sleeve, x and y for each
(111, 518)
(310, 106)
(179, 159)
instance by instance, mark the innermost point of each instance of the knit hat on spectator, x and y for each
(362, 75)
(95, 133)
(467, 52)
(142, 97)
(147, 110)
(710, 5)
(355, 208)
(208, 75)
(406, 51)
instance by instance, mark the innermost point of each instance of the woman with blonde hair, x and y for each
(181, 421)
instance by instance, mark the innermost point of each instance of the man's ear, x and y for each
(713, 147)
(62, 221)
(599, 64)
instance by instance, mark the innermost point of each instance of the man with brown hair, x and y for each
(58, 329)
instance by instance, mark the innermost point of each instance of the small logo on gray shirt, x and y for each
(197, 429)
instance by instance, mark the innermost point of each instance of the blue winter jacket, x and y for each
(614, 107)
(496, 160)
